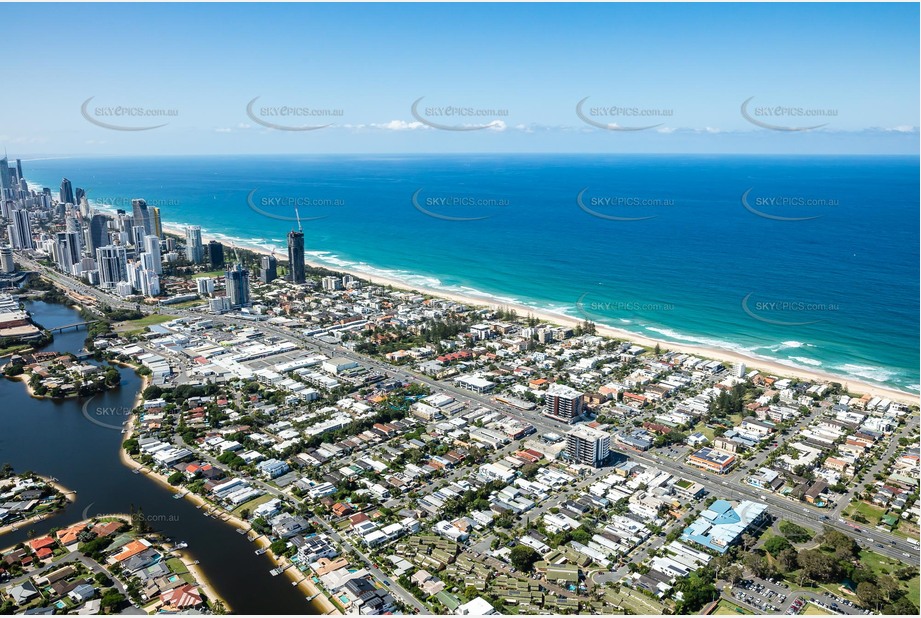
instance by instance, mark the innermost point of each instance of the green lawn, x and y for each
(870, 512)
(814, 610)
(138, 326)
(14, 348)
(725, 608)
(702, 428)
(252, 504)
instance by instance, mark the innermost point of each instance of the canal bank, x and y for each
(54, 438)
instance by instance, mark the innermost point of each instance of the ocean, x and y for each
(809, 261)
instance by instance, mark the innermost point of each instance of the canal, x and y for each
(54, 438)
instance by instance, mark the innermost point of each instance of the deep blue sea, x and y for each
(812, 261)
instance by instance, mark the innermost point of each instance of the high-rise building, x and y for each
(79, 196)
(6, 179)
(193, 249)
(237, 284)
(204, 286)
(112, 262)
(563, 403)
(7, 263)
(588, 446)
(141, 215)
(152, 247)
(331, 283)
(296, 257)
(67, 192)
(19, 169)
(149, 282)
(137, 238)
(21, 230)
(269, 269)
(215, 254)
(99, 233)
(155, 222)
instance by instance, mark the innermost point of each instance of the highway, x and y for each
(892, 545)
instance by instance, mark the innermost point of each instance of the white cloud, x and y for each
(400, 125)
(223, 130)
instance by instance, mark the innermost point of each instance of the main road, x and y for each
(892, 545)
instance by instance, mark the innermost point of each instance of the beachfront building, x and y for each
(194, 252)
(296, 257)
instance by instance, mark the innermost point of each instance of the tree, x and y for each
(776, 544)
(175, 478)
(733, 574)
(902, 607)
(111, 600)
(786, 561)
(869, 595)
(816, 565)
(524, 557)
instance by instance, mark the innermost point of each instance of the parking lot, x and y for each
(765, 596)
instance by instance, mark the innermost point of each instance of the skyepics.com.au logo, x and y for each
(786, 311)
(452, 206)
(125, 203)
(621, 206)
(292, 117)
(125, 117)
(135, 518)
(291, 207)
(621, 117)
(783, 207)
(458, 117)
(788, 118)
(590, 305)
(110, 417)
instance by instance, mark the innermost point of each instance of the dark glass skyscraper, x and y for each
(141, 215)
(296, 257)
(215, 254)
(237, 282)
(67, 192)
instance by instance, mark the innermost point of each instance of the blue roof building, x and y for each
(722, 525)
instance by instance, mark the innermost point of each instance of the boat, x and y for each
(177, 496)
(276, 571)
(241, 531)
(260, 551)
(181, 545)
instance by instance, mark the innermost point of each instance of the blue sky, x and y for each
(524, 66)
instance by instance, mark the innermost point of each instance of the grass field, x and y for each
(138, 326)
(725, 608)
(870, 512)
(814, 610)
(252, 504)
(176, 566)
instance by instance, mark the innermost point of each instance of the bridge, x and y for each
(75, 326)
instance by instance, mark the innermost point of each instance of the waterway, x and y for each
(54, 438)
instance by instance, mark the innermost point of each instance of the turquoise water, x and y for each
(817, 267)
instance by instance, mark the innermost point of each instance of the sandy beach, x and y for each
(321, 602)
(767, 366)
(69, 495)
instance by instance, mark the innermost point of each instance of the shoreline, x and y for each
(764, 365)
(321, 602)
(68, 494)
